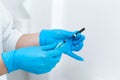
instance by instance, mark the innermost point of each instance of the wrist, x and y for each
(3, 68)
(28, 40)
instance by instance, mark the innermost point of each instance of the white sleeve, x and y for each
(9, 32)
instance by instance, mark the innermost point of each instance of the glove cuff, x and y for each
(44, 37)
(8, 59)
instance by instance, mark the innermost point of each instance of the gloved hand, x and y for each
(58, 35)
(37, 59)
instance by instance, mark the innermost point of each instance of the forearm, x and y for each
(3, 69)
(28, 40)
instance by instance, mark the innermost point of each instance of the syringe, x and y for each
(60, 44)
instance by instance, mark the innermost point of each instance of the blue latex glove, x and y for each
(58, 35)
(68, 49)
(37, 59)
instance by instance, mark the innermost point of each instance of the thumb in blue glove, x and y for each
(36, 59)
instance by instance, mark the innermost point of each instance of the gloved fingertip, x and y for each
(83, 37)
(78, 36)
(80, 59)
(77, 48)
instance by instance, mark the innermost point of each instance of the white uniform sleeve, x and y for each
(10, 33)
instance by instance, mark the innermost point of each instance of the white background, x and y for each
(101, 18)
